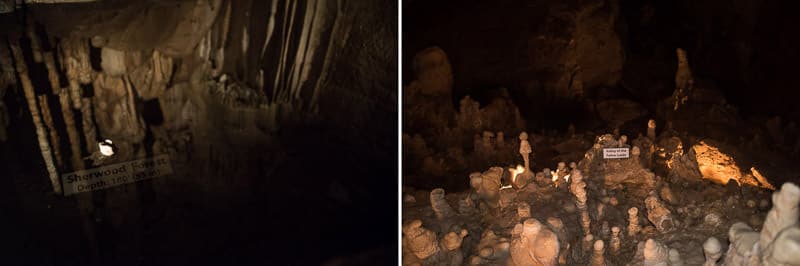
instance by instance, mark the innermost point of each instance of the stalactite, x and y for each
(66, 109)
(48, 121)
(72, 133)
(36, 47)
(89, 130)
(52, 72)
(30, 96)
(338, 38)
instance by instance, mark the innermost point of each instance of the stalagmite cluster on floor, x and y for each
(585, 207)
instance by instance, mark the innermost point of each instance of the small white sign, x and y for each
(115, 174)
(616, 153)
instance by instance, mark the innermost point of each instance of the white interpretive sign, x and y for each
(115, 174)
(616, 153)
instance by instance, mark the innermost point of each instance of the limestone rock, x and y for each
(659, 215)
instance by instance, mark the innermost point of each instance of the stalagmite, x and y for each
(578, 189)
(684, 81)
(524, 211)
(784, 213)
(598, 254)
(420, 242)
(561, 232)
(712, 250)
(633, 221)
(525, 149)
(451, 245)
(785, 249)
(675, 258)
(655, 254)
(742, 248)
(48, 121)
(658, 214)
(615, 241)
(41, 134)
(536, 245)
(440, 206)
(651, 129)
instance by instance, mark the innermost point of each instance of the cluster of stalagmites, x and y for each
(422, 246)
(533, 242)
(778, 242)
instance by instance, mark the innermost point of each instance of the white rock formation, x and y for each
(536, 245)
(655, 254)
(712, 250)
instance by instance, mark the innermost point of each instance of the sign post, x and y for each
(616, 153)
(115, 174)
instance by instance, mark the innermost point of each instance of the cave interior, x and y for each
(177, 132)
(600, 132)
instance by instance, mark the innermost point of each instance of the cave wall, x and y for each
(255, 102)
(544, 51)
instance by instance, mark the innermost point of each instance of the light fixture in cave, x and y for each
(106, 147)
(515, 172)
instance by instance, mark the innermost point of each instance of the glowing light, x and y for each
(105, 148)
(505, 187)
(516, 172)
(566, 178)
(553, 174)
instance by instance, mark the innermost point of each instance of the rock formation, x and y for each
(658, 214)
(598, 254)
(536, 245)
(633, 221)
(439, 204)
(655, 253)
(712, 250)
